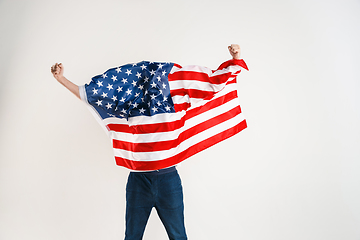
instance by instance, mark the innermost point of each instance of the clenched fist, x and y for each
(57, 70)
(234, 50)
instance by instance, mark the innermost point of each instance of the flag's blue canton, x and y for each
(132, 90)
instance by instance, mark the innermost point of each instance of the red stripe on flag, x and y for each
(180, 107)
(201, 77)
(165, 145)
(188, 75)
(232, 81)
(239, 62)
(168, 162)
(193, 93)
(146, 128)
(219, 79)
(177, 65)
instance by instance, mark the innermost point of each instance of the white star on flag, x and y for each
(99, 102)
(108, 106)
(135, 105)
(109, 86)
(99, 83)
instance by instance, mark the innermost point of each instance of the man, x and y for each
(153, 183)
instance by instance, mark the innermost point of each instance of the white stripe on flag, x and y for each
(194, 84)
(232, 69)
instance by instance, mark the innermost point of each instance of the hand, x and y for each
(58, 71)
(234, 50)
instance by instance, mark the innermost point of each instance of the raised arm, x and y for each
(58, 72)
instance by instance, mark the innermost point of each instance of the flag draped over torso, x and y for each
(158, 114)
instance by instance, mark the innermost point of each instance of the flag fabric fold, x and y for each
(158, 114)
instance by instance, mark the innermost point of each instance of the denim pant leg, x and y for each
(139, 202)
(170, 206)
(164, 192)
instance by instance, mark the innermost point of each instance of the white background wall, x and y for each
(293, 174)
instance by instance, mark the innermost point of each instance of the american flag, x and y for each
(158, 114)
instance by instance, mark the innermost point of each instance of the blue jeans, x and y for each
(162, 191)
